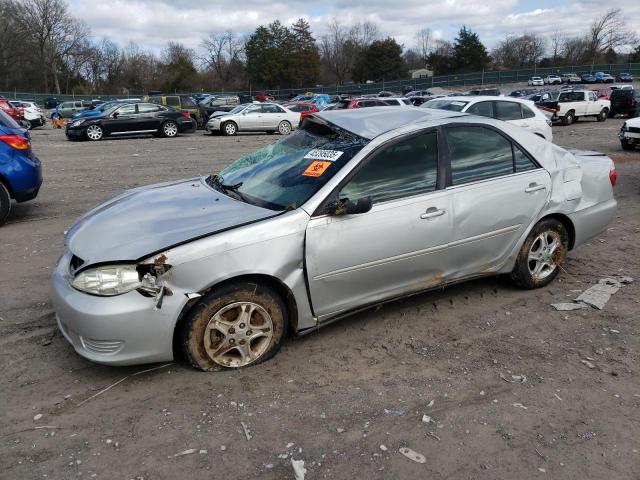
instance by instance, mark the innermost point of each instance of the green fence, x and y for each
(443, 81)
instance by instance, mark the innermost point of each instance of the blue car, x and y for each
(100, 109)
(20, 169)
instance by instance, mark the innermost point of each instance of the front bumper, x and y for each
(631, 137)
(120, 330)
(74, 133)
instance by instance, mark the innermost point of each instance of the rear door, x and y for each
(399, 246)
(148, 116)
(272, 115)
(496, 191)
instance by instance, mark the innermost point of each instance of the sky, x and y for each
(152, 23)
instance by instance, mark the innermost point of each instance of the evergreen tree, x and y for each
(268, 55)
(469, 54)
(382, 60)
(304, 57)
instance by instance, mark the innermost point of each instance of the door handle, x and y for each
(534, 187)
(432, 212)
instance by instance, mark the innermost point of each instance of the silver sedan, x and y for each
(354, 209)
(254, 117)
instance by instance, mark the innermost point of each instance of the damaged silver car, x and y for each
(354, 209)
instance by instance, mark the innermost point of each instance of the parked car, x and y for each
(70, 108)
(602, 77)
(32, 113)
(254, 117)
(573, 104)
(553, 80)
(419, 93)
(50, 103)
(219, 103)
(17, 113)
(602, 92)
(625, 102)
(182, 103)
(20, 169)
(304, 108)
(536, 82)
(396, 101)
(522, 92)
(264, 97)
(570, 78)
(361, 102)
(625, 77)
(100, 109)
(491, 91)
(513, 110)
(544, 96)
(224, 266)
(318, 99)
(588, 78)
(132, 119)
(630, 134)
(417, 100)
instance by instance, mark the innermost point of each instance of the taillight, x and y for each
(613, 176)
(16, 141)
(186, 114)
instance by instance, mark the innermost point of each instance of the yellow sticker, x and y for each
(316, 169)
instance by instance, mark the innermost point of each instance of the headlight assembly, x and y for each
(108, 280)
(77, 123)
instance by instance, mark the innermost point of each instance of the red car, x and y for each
(359, 103)
(304, 108)
(603, 92)
(17, 113)
(264, 97)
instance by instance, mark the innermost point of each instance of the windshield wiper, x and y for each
(216, 182)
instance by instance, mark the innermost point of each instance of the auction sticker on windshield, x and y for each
(316, 169)
(328, 155)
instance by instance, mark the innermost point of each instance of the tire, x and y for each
(611, 114)
(94, 133)
(536, 267)
(209, 343)
(603, 115)
(229, 129)
(169, 129)
(284, 128)
(625, 144)
(568, 118)
(5, 203)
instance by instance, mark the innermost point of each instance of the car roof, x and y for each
(374, 121)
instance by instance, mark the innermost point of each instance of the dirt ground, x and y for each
(346, 398)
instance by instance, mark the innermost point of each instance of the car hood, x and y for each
(633, 122)
(219, 114)
(148, 220)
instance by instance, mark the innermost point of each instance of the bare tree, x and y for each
(607, 32)
(222, 53)
(53, 31)
(424, 40)
(519, 51)
(333, 49)
(11, 38)
(556, 40)
(575, 50)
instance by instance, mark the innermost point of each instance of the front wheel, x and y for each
(94, 133)
(568, 119)
(234, 326)
(603, 115)
(284, 128)
(5, 203)
(542, 255)
(230, 128)
(169, 129)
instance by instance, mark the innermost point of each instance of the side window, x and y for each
(173, 101)
(253, 109)
(508, 111)
(127, 110)
(400, 170)
(527, 112)
(187, 103)
(522, 161)
(484, 109)
(592, 96)
(271, 109)
(477, 153)
(148, 108)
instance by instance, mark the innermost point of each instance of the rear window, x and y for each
(187, 103)
(453, 105)
(6, 121)
(173, 101)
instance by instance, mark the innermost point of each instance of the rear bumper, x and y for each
(187, 125)
(592, 221)
(23, 172)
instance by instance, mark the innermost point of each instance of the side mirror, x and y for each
(115, 114)
(348, 207)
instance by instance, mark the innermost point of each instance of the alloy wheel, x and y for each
(94, 132)
(170, 129)
(543, 254)
(238, 334)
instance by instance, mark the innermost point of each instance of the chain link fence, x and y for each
(484, 78)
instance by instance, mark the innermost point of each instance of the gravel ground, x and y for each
(346, 399)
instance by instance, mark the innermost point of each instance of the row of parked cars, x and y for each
(573, 78)
(26, 114)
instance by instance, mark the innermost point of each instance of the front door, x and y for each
(399, 246)
(124, 119)
(251, 118)
(496, 191)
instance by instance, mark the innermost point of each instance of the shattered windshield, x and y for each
(454, 105)
(287, 173)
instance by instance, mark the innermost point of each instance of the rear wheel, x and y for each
(235, 326)
(284, 128)
(5, 203)
(542, 255)
(568, 119)
(94, 132)
(169, 129)
(603, 115)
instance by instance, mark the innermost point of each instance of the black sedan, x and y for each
(625, 77)
(132, 119)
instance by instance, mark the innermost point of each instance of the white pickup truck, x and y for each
(570, 105)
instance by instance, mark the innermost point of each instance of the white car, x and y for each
(254, 117)
(396, 101)
(553, 80)
(32, 112)
(536, 82)
(512, 110)
(630, 134)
